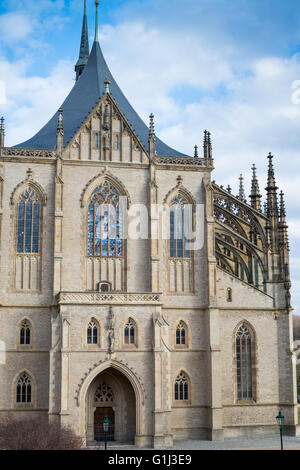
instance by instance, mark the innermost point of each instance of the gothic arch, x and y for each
(183, 192)
(33, 402)
(31, 183)
(101, 178)
(187, 344)
(132, 378)
(32, 333)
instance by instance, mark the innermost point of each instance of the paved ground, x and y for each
(258, 443)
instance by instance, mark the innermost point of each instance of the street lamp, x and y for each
(280, 420)
(105, 429)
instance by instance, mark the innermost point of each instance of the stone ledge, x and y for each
(107, 298)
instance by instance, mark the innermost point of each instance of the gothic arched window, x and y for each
(244, 363)
(181, 334)
(25, 333)
(92, 332)
(24, 389)
(28, 224)
(181, 388)
(105, 222)
(130, 332)
(179, 228)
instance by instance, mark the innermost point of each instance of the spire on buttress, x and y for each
(242, 194)
(255, 195)
(272, 202)
(84, 51)
(2, 132)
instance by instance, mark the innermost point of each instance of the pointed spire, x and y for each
(84, 51)
(196, 155)
(272, 203)
(242, 194)
(2, 132)
(96, 23)
(60, 132)
(255, 195)
(284, 240)
(152, 137)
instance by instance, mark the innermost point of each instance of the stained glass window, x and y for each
(181, 334)
(244, 363)
(179, 228)
(181, 387)
(25, 332)
(105, 222)
(24, 389)
(92, 332)
(28, 222)
(129, 332)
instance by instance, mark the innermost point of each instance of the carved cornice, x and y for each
(105, 298)
(19, 152)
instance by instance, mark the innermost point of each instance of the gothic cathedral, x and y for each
(169, 339)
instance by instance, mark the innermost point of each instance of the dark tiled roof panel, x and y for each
(82, 99)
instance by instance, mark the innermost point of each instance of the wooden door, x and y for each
(99, 416)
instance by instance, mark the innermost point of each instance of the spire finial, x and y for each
(196, 155)
(96, 25)
(2, 132)
(107, 82)
(60, 132)
(242, 195)
(84, 51)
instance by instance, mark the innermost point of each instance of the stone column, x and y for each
(213, 326)
(58, 226)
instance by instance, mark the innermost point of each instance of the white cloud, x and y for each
(15, 27)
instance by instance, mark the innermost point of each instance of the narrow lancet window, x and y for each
(24, 389)
(25, 333)
(28, 226)
(179, 228)
(244, 363)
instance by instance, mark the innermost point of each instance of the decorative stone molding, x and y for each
(184, 161)
(105, 298)
(121, 366)
(36, 153)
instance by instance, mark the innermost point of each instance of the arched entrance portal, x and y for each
(111, 394)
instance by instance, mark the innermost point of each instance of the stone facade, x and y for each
(212, 291)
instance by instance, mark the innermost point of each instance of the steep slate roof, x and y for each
(83, 97)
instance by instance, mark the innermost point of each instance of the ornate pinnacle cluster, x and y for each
(196, 155)
(284, 240)
(207, 146)
(255, 195)
(84, 46)
(2, 132)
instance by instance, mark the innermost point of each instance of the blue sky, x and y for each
(225, 65)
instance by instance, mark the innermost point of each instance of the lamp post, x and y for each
(105, 429)
(280, 420)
